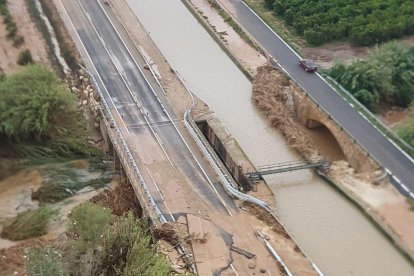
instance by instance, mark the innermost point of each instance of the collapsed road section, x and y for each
(177, 181)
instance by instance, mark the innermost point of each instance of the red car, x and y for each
(308, 65)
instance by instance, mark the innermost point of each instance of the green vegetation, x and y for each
(11, 26)
(28, 224)
(25, 57)
(133, 237)
(406, 132)
(277, 25)
(99, 245)
(64, 179)
(384, 77)
(362, 22)
(44, 262)
(87, 224)
(39, 117)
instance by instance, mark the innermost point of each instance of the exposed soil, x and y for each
(13, 258)
(395, 116)
(68, 47)
(266, 217)
(389, 207)
(326, 55)
(120, 198)
(33, 39)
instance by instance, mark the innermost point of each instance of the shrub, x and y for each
(44, 261)
(18, 40)
(87, 224)
(25, 57)
(37, 109)
(28, 224)
(386, 76)
(128, 250)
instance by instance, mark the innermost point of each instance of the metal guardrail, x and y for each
(212, 157)
(370, 114)
(394, 179)
(124, 150)
(275, 63)
(128, 160)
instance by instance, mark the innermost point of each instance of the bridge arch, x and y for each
(325, 140)
(310, 115)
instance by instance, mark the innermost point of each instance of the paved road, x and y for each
(371, 139)
(146, 126)
(130, 95)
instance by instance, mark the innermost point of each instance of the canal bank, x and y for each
(333, 232)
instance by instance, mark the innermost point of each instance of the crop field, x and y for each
(361, 22)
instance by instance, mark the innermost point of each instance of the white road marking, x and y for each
(159, 191)
(93, 65)
(126, 84)
(169, 117)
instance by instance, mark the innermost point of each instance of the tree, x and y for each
(29, 102)
(385, 76)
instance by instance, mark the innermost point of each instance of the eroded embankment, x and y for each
(371, 190)
(270, 95)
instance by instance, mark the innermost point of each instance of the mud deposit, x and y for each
(75, 181)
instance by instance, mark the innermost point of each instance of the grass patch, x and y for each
(45, 261)
(276, 25)
(87, 224)
(130, 240)
(229, 20)
(28, 224)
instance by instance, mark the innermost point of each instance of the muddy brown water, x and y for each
(330, 229)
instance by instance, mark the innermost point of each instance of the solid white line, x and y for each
(159, 191)
(234, 270)
(169, 117)
(405, 188)
(155, 183)
(326, 82)
(126, 84)
(93, 65)
(271, 30)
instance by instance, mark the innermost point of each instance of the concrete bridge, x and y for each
(310, 114)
